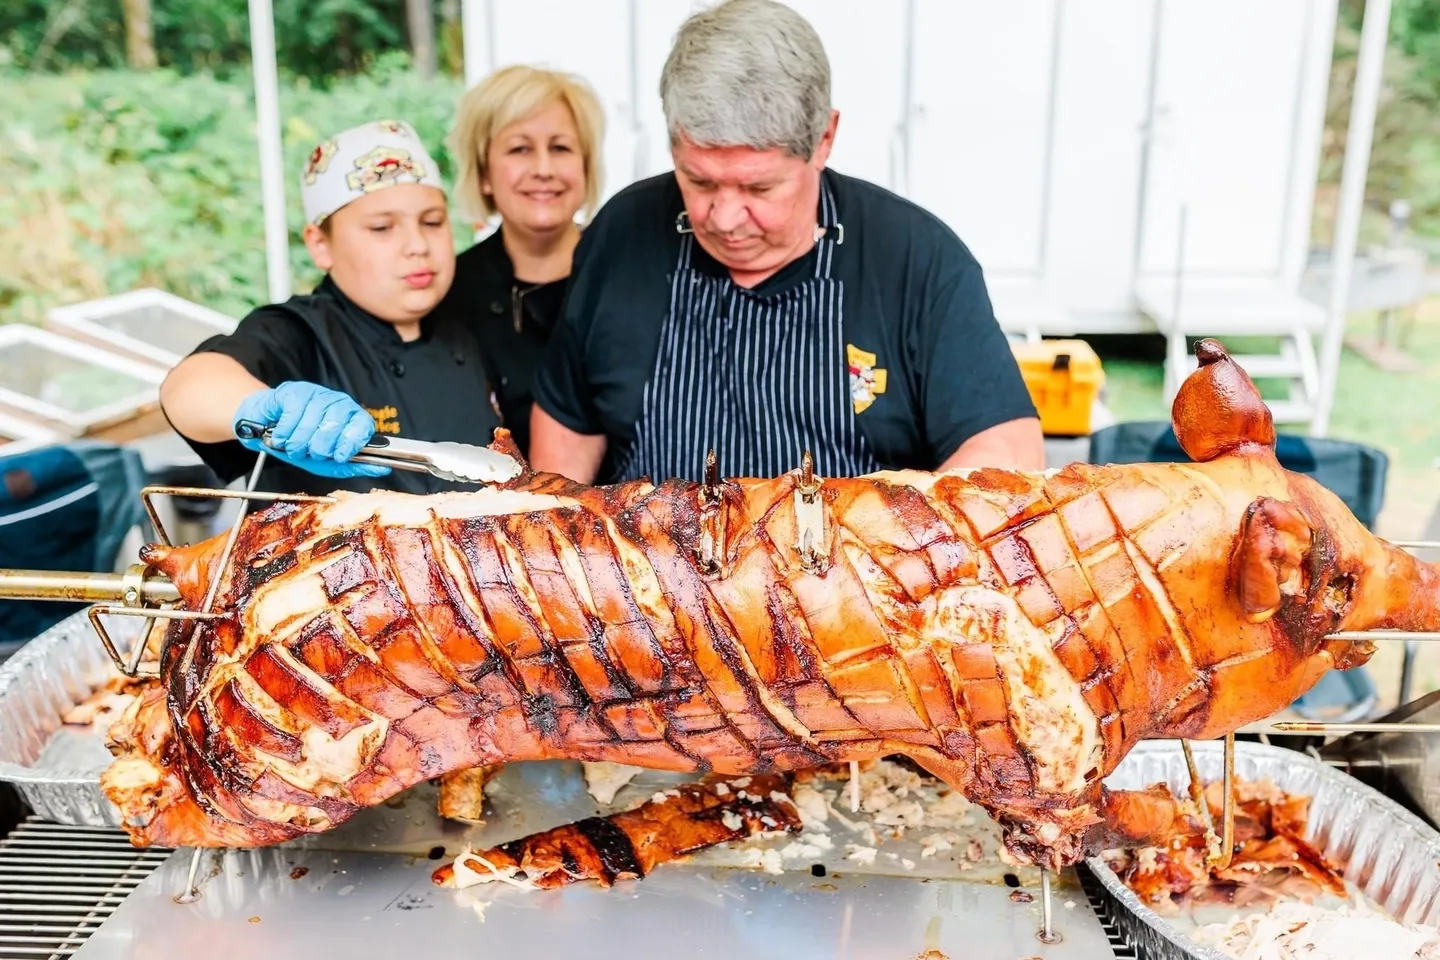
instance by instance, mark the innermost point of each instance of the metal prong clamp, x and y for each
(710, 551)
(810, 539)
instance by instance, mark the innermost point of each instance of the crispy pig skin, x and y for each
(1013, 633)
(629, 845)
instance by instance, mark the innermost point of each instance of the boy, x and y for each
(371, 350)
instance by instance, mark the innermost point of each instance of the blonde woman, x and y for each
(527, 143)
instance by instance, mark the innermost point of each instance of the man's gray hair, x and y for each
(747, 73)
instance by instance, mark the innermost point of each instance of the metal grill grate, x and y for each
(59, 883)
(1094, 893)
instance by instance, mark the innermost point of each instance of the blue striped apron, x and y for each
(758, 379)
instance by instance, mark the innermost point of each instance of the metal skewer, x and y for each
(1047, 932)
(249, 493)
(810, 542)
(1381, 634)
(1227, 842)
(191, 893)
(1311, 726)
(1197, 794)
(711, 550)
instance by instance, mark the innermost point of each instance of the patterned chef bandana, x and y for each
(361, 160)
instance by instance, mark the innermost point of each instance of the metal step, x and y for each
(1291, 411)
(1262, 366)
(1228, 309)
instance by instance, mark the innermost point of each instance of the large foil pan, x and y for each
(55, 768)
(1386, 852)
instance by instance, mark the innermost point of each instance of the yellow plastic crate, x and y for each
(1064, 378)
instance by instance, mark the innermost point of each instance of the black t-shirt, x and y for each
(432, 388)
(914, 297)
(513, 321)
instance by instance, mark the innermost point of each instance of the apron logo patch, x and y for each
(386, 419)
(866, 381)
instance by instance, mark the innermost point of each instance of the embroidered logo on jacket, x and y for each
(382, 167)
(866, 380)
(386, 419)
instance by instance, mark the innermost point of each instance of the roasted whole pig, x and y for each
(1013, 633)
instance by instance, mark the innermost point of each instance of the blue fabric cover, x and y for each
(63, 507)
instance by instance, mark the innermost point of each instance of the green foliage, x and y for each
(1405, 153)
(317, 39)
(1415, 30)
(123, 179)
(118, 179)
(46, 34)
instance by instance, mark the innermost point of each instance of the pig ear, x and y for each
(1268, 565)
(1218, 410)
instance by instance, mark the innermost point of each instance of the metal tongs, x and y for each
(457, 462)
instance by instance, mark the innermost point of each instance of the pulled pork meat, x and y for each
(1272, 859)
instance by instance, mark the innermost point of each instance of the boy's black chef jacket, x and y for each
(432, 388)
(513, 320)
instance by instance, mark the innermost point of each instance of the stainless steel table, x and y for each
(364, 890)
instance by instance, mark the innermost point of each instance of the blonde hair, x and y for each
(511, 94)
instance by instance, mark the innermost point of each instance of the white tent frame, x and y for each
(1368, 70)
(479, 55)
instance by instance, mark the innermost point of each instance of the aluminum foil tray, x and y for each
(1385, 851)
(56, 769)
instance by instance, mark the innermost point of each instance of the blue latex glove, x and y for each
(313, 427)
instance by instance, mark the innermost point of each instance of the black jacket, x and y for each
(512, 320)
(431, 388)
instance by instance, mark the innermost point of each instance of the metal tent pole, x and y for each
(1368, 71)
(476, 35)
(272, 154)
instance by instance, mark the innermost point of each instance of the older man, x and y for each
(758, 304)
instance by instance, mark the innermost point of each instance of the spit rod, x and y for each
(1311, 726)
(86, 587)
(1381, 634)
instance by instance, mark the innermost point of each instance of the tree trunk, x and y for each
(452, 43)
(421, 17)
(139, 35)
